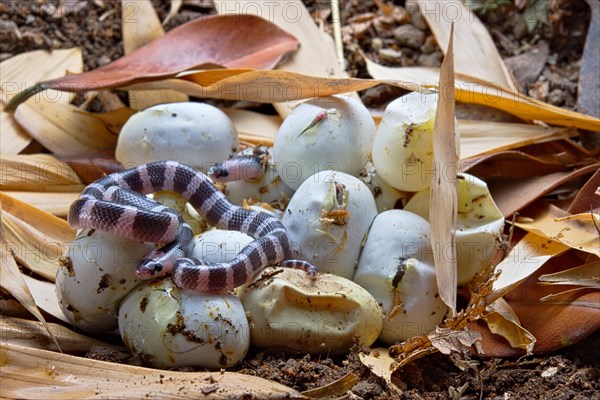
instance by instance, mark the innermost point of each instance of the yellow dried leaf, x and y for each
(549, 221)
(587, 275)
(44, 294)
(18, 75)
(381, 364)
(64, 129)
(443, 198)
(53, 375)
(502, 320)
(253, 127)
(55, 203)
(37, 172)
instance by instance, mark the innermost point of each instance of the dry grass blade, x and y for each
(40, 374)
(37, 172)
(475, 51)
(254, 127)
(587, 275)
(469, 89)
(64, 129)
(12, 281)
(334, 389)
(443, 199)
(141, 26)
(44, 294)
(175, 6)
(17, 75)
(24, 332)
(55, 203)
(485, 137)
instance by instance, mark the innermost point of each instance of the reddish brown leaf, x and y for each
(554, 324)
(588, 197)
(510, 164)
(232, 41)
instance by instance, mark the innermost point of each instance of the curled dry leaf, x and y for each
(587, 275)
(443, 206)
(53, 375)
(233, 41)
(381, 364)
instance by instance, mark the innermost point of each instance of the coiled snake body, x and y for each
(115, 203)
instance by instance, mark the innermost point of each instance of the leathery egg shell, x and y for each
(327, 220)
(324, 133)
(403, 145)
(95, 273)
(396, 268)
(480, 225)
(168, 327)
(218, 246)
(195, 134)
(294, 313)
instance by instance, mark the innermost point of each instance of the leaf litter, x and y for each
(461, 338)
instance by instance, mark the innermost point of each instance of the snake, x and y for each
(117, 203)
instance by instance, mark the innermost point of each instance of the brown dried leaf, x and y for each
(448, 341)
(381, 364)
(141, 26)
(233, 41)
(501, 320)
(443, 199)
(53, 375)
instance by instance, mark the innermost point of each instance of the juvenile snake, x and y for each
(116, 204)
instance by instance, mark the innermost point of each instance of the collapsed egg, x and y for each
(480, 225)
(329, 133)
(395, 266)
(196, 134)
(168, 327)
(292, 312)
(327, 220)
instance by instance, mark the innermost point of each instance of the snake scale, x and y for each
(116, 203)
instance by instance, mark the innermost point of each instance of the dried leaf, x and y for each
(24, 332)
(233, 41)
(551, 222)
(335, 389)
(381, 364)
(476, 53)
(55, 203)
(140, 27)
(443, 199)
(486, 137)
(175, 6)
(63, 128)
(12, 281)
(37, 172)
(17, 75)
(588, 197)
(587, 275)
(511, 195)
(44, 294)
(511, 164)
(480, 91)
(448, 341)
(254, 127)
(316, 55)
(502, 321)
(53, 376)
(529, 254)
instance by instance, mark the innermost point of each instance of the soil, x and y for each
(546, 62)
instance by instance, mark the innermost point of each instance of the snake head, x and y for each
(150, 268)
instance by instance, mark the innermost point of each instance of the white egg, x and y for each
(291, 312)
(96, 272)
(480, 225)
(386, 197)
(396, 268)
(329, 133)
(196, 134)
(218, 246)
(403, 145)
(327, 220)
(168, 327)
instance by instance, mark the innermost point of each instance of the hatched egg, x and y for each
(327, 220)
(328, 133)
(396, 267)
